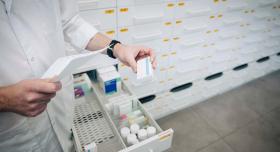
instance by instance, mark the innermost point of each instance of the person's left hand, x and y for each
(129, 55)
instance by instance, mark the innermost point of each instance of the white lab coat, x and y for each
(32, 35)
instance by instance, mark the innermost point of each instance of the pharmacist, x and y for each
(36, 114)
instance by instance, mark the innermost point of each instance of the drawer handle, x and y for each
(150, 36)
(278, 54)
(214, 76)
(147, 98)
(181, 87)
(261, 60)
(240, 67)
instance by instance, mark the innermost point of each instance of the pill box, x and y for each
(144, 68)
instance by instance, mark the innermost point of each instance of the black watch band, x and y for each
(111, 48)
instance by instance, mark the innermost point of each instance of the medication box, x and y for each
(144, 68)
(110, 82)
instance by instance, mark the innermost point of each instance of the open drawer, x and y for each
(94, 122)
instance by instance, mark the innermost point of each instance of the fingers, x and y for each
(45, 86)
(38, 109)
(154, 64)
(132, 63)
(147, 52)
(41, 97)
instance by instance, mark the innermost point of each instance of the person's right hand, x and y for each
(30, 97)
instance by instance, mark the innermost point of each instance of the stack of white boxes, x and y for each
(214, 44)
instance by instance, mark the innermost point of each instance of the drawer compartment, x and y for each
(96, 120)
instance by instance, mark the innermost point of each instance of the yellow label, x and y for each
(164, 55)
(173, 53)
(124, 30)
(123, 9)
(168, 23)
(176, 38)
(165, 40)
(216, 1)
(170, 5)
(125, 79)
(110, 11)
(110, 32)
(212, 17)
(181, 4)
(178, 22)
(220, 16)
(216, 30)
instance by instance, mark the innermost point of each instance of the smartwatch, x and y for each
(111, 48)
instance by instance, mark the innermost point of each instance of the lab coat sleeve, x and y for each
(76, 30)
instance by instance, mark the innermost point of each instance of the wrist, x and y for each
(117, 49)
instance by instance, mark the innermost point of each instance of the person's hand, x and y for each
(129, 55)
(30, 97)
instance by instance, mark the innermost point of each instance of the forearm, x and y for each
(3, 99)
(99, 41)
